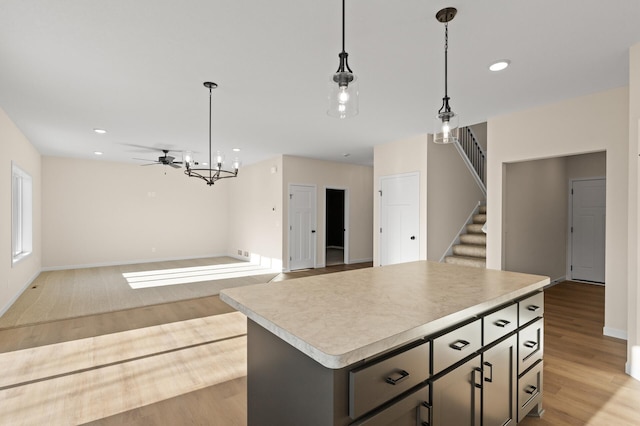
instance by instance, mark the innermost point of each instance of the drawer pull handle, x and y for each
(502, 323)
(399, 376)
(459, 345)
(533, 308)
(530, 344)
(530, 389)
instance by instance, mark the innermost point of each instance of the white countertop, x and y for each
(341, 318)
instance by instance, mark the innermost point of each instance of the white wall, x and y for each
(633, 332)
(534, 222)
(398, 157)
(15, 147)
(586, 124)
(103, 213)
(358, 180)
(255, 211)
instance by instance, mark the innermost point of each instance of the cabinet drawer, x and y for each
(411, 410)
(530, 308)
(500, 323)
(529, 390)
(456, 345)
(530, 345)
(374, 384)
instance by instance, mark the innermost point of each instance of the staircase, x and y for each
(472, 250)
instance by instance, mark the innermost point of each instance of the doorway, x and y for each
(336, 234)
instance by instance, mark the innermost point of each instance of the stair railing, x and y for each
(473, 156)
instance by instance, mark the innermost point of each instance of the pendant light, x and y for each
(343, 87)
(215, 170)
(446, 123)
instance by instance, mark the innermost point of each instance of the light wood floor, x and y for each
(184, 363)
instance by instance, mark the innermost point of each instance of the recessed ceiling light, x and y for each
(100, 131)
(97, 152)
(346, 154)
(205, 163)
(236, 149)
(500, 65)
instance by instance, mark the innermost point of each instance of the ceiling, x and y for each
(136, 68)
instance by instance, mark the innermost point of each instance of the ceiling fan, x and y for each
(166, 160)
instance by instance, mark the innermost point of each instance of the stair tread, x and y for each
(466, 260)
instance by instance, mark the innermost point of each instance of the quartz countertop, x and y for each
(344, 317)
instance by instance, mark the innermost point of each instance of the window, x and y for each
(21, 214)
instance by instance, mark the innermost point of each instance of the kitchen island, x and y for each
(362, 346)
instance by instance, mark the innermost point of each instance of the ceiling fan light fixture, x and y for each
(499, 65)
(211, 174)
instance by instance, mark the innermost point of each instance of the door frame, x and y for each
(314, 224)
(346, 223)
(570, 224)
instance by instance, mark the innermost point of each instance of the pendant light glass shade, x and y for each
(343, 95)
(445, 128)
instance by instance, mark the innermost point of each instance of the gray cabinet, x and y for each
(456, 395)
(499, 383)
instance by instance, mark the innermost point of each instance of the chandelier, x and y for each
(446, 124)
(215, 171)
(343, 88)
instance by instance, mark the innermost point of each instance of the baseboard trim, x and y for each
(128, 262)
(368, 259)
(614, 332)
(18, 294)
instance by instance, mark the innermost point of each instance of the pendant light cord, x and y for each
(343, 8)
(446, 49)
(210, 164)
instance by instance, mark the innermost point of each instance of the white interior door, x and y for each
(588, 230)
(302, 226)
(399, 218)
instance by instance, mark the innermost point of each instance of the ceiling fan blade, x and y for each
(174, 165)
(150, 148)
(151, 164)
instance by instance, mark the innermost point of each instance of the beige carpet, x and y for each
(56, 295)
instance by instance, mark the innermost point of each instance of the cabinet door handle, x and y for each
(530, 389)
(398, 377)
(473, 379)
(530, 344)
(502, 323)
(428, 407)
(459, 344)
(533, 308)
(490, 378)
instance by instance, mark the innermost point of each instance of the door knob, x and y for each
(313, 231)
(413, 237)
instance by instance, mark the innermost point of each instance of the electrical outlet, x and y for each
(239, 252)
(246, 254)
(153, 249)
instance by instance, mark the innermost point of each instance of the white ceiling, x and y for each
(136, 68)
